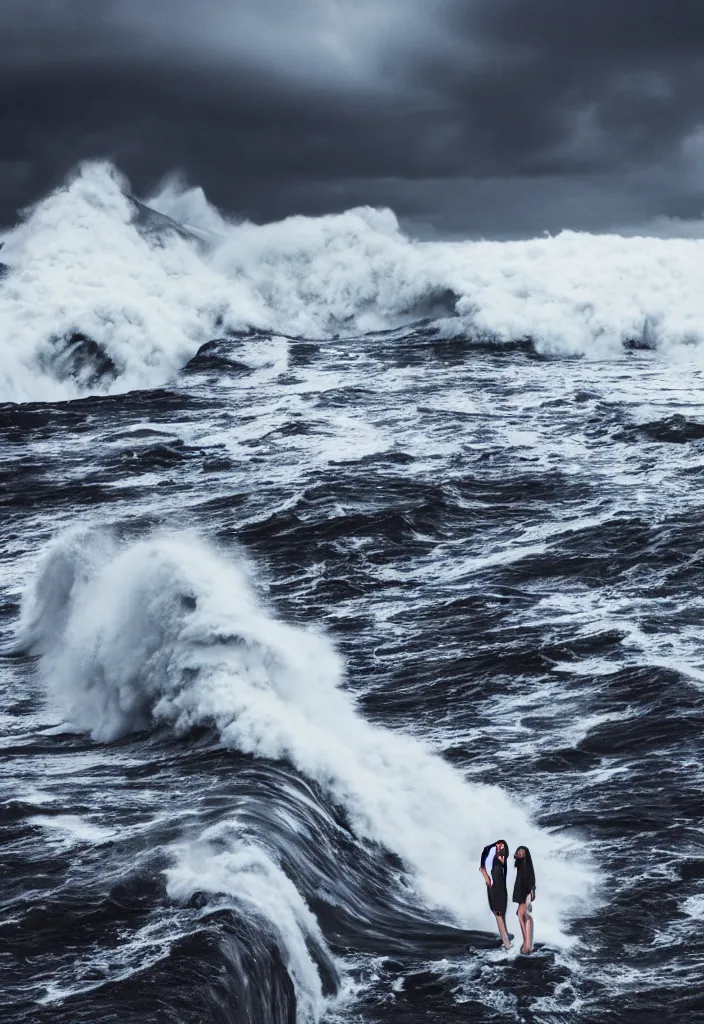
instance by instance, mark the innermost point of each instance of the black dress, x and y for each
(525, 881)
(497, 892)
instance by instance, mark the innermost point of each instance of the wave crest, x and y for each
(239, 876)
(104, 294)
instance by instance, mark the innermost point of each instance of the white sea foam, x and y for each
(72, 829)
(83, 263)
(78, 264)
(168, 631)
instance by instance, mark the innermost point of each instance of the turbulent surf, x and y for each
(330, 556)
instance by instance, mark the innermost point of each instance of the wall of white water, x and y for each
(79, 262)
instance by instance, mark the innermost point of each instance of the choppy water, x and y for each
(290, 636)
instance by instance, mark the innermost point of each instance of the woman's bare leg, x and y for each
(529, 928)
(521, 914)
(502, 931)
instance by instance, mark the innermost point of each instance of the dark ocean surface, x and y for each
(290, 636)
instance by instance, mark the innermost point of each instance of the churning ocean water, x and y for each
(329, 557)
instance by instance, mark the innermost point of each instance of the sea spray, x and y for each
(80, 269)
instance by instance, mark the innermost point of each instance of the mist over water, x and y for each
(324, 565)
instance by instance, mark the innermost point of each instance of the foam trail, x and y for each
(167, 631)
(98, 300)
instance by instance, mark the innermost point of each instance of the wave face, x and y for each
(99, 297)
(167, 632)
(244, 878)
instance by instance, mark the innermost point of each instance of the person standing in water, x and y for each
(524, 894)
(493, 866)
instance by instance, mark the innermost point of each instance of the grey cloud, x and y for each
(555, 113)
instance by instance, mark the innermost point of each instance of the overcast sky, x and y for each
(499, 118)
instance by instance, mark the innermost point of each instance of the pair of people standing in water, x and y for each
(494, 866)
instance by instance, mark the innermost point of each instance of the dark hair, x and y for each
(528, 858)
(505, 844)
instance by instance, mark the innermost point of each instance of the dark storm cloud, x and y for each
(580, 84)
(465, 116)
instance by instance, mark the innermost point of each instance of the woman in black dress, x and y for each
(524, 894)
(493, 866)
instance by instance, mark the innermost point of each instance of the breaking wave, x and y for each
(104, 294)
(241, 877)
(167, 632)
